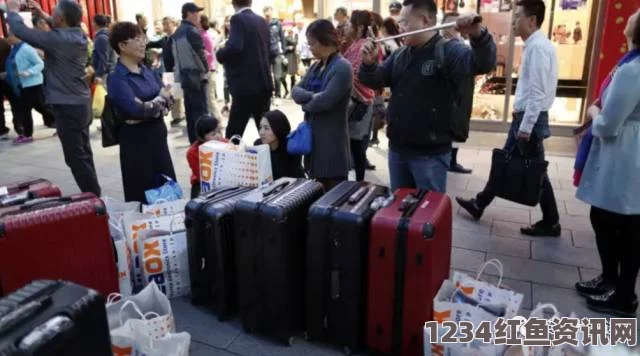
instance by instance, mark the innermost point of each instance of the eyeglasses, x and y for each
(138, 40)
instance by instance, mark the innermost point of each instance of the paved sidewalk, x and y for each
(543, 269)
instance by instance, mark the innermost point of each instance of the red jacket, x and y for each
(194, 161)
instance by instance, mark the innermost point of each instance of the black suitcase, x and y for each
(271, 226)
(337, 248)
(54, 318)
(211, 246)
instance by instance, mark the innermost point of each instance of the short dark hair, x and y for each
(139, 17)
(101, 20)
(535, 8)
(123, 31)
(207, 123)
(449, 15)
(241, 3)
(427, 5)
(71, 12)
(636, 33)
(324, 32)
(37, 19)
(204, 22)
(342, 11)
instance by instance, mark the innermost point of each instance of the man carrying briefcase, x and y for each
(535, 92)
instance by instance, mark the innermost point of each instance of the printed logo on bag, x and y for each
(154, 265)
(466, 290)
(206, 170)
(121, 351)
(442, 316)
(137, 229)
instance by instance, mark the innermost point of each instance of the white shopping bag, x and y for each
(165, 208)
(136, 224)
(125, 266)
(485, 292)
(165, 261)
(440, 349)
(132, 340)
(150, 306)
(176, 89)
(117, 211)
(233, 164)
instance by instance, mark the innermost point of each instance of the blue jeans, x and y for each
(423, 172)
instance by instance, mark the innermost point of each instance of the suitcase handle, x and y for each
(275, 189)
(218, 192)
(355, 197)
(43, 202)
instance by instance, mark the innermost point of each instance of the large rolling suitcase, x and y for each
(59, 238)
(21, 192)
(271, 230)
(337, 248)
(409, 258)
(54, 318)
(211, 244)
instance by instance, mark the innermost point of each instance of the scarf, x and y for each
(11, 68)
(587, 139)
(317, 81)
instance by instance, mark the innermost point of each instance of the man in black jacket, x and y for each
(245, 57)
(190, 65)
(422, 98)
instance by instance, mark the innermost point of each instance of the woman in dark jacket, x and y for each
(324, 94)
(274, 129)
(140, 102)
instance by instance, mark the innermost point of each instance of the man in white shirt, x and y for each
(535, 92)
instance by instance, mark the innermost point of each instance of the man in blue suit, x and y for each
(245, 57)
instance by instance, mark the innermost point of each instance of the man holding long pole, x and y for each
(422, 92)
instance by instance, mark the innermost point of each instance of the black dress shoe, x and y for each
(612, 303)
(374, 142)
(596, 286)
(370, 167)
(471, 206)
(458, 168)
(540, 229)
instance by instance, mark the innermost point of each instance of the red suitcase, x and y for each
(409, 258)
(65, 238)
(21, 192)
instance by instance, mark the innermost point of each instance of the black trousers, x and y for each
(359, 156)
(245, 107)
(32, 98)
(144, 157)
(533, 148)
(72, 124)
(195, 105)
(618, 240)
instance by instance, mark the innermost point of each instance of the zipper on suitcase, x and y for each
(408, 208)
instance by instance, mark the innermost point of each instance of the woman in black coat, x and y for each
(274, 129)
(140, 103)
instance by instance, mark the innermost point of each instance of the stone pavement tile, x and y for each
(482, 169)
(482, 243)
(510, 229)
(115, 194)
(462, 221)
(536, 271)
(253, 345)
(575, 209)
(466, 260)
(203, 325)
(551, 251)
(457, 182)
(520, 215)
(201, 349)
(509, 204)
(566, 300)
(584, 239)
(476, 185)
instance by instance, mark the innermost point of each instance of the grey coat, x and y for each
(328, 118)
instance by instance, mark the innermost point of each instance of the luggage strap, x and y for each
(408, 207)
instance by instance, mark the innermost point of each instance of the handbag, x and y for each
(110, 124)
(191, 79)
(517, 178)
(357, 109)
(169, 191)
(300, 141)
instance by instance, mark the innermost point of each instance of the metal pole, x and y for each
(428, 29)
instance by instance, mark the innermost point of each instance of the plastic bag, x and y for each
(169, 191)
(97, 106)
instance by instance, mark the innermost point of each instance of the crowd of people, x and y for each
(428, 78)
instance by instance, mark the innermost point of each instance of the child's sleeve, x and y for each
(193, 160)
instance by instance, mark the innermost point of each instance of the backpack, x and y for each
(463, 96)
